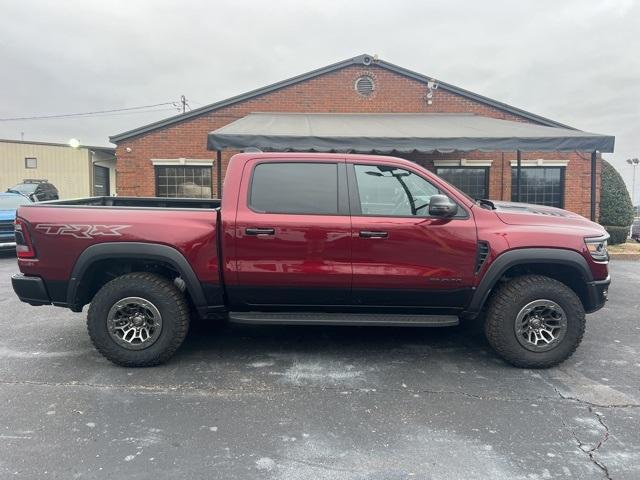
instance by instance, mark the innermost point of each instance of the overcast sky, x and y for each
(575, 61)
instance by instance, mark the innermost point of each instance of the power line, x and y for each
(119, 114)
(87, 114)
(128, 113)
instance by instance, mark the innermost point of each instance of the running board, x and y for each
(364, 319)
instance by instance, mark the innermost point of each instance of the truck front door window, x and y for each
(391, 191)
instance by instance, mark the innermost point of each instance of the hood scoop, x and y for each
(527, 208)
(528, 214)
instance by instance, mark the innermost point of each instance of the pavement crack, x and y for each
(160, 389)
(210, 390)
(589, 451)
(454, 392)
(206, 390)
(320, 465)
(605, 437)
(602, 441)
(586, 403)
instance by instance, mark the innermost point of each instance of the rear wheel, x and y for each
(534, 321)
(138, 320)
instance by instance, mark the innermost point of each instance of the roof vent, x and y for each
(365, 85)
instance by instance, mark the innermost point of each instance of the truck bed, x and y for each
(63, 230)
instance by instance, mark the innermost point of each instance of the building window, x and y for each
(183, 181)
(539, 185)
(30, 162)
(474, 181)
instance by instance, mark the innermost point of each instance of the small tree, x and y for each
(616, 210)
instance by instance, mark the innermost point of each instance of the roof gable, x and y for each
(365, 60)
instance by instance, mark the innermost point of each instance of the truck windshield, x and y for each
(24, 188)
(11, 202)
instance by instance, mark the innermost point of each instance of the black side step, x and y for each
(364, 319)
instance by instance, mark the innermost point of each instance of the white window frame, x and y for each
(540, 162)
(463, 162)
(196, 162)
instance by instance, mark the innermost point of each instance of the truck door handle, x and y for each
(371, 234)
(260, 231)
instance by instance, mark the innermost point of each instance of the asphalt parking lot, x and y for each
(318, 403)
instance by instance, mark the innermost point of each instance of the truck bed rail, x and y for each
(135, 202)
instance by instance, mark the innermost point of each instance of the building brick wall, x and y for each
(335, 93)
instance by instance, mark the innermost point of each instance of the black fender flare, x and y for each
(138, 251)
(522, 256)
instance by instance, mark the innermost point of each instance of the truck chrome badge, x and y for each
(81, 231)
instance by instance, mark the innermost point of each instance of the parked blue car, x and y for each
(9, 203)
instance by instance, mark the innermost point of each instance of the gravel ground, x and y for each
(318, 403)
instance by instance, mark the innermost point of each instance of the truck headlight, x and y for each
(597, 247)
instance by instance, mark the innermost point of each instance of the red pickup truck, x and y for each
(315, 239)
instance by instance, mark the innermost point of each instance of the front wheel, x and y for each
(138, 320)
(534, 321)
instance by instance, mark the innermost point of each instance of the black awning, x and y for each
(398, 132)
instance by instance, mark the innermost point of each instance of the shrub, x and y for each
(616, 210)
(618, 234)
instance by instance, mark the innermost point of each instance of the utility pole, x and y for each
(183, 101)
(634, 163)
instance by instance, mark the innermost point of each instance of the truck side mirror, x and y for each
(441, 206)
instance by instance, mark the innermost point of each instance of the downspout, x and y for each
(518, 171)
(219, 172)
(502, 178)
(91, 179)
(593, 185)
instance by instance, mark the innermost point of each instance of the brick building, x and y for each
(170, 157)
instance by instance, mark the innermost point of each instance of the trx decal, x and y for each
(81, 231)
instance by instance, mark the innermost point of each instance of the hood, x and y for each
(513, 213)
(7, 215)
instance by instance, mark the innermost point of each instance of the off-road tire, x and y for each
(510, 298)
(163, 294)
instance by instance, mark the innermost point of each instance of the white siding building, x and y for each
(76, 172)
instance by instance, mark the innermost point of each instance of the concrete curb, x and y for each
(624, 256)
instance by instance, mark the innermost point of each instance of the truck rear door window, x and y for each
(291, 187)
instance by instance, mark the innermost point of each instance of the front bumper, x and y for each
(598, 294)
(31, 290)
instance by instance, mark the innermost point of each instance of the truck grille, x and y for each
(6, 226)
(483, 254)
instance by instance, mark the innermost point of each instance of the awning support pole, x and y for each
(593, 186)
(219, 172)
(518, 168)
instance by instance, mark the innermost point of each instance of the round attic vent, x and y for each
(365, 85)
